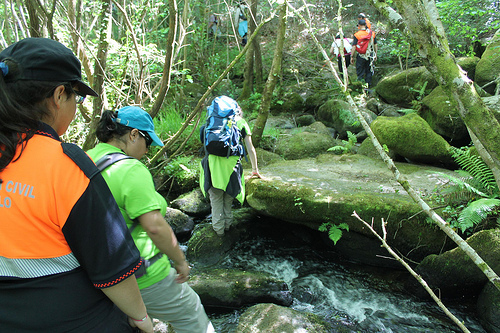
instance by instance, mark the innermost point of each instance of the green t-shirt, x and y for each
(132, 187)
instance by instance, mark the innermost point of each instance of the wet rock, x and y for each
(264, 318)
(207, 248)
(192, 203)
(454, 273)
(488, 308)
(182, 224)
(230, 288)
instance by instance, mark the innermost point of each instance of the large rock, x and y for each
(229, 288)
(341, 116)
(443, 117)
(330, 188)
(411, 136)
(265, 318)
(403, 87)
(454, 273)
(310, 141)
(488, 308)
(206, 248)
(192, 203)
(488, 68)
(181, 223)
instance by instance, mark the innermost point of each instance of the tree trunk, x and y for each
(249, 57)
(99, 68)
(34, 26)
(272, 79)
(257, 60)
(167, 68)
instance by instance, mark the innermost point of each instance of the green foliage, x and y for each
(475, 187)
(184, 169)
(168, 122)
(347, 146)
(251, 105)
(334, 230)
(466, 20)
(416, 103)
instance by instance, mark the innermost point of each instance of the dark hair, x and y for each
(21, 110)
(108, 129)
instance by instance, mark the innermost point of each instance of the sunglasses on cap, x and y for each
(146, 137)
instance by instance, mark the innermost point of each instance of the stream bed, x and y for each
(366, 299)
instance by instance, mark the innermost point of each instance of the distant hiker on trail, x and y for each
(213, 26)
(362, 16)
(240, 22)
(335, 49)
(221, 173)
(364, 52)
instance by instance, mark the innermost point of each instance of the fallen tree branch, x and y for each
(412, 272)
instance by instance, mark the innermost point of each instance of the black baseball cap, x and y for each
(361, 22)
(44, 59)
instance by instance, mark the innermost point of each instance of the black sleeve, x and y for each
(97, 234)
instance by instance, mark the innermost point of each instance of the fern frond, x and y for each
(475, 166)
(476, 212)
(462, 184)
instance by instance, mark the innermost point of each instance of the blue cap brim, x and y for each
(156, 139)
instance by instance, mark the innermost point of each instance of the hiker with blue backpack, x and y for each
(125, 136)
(221, 176)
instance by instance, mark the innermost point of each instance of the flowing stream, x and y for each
(367, 299)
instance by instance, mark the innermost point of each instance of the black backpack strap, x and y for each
(110, 159)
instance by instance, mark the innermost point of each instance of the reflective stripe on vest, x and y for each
(33, 268)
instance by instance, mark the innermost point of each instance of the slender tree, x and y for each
(272, 79)
(99, 71)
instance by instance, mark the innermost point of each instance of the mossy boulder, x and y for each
(341, 116)
(488, 308)
(441, 113)
(330, 188)
(181, 223)
(403, 87)
(264, 318)
(488, 67)
(292, 103)
(307, 141)
(454, 273)
(205, 247)
(223, 288)
(411, 136)
(192, 203)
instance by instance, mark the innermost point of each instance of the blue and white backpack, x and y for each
(220, 135)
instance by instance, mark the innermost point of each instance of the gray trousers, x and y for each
(222, 215)
(176, 304)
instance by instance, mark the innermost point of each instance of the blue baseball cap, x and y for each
(135, 117)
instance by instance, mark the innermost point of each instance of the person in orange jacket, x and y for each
(67, 260)
(364, 61)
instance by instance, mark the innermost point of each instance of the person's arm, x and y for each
(127, 297)
(253, 156)
(353, 52)
(164, 238)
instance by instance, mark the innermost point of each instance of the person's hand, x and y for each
(352, 60)
(183, 270)
(145, 325)
(256, 174)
